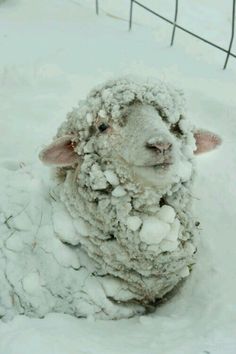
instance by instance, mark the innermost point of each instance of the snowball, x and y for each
(134, 222)
(168, 246)
(167, 214)
(153, 230)
(174, 231)
(118, 192)
(184, 272)
(111, 178)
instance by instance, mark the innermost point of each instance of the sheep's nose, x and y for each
(159, 146)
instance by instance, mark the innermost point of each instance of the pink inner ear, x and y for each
(60, 152)
(206, 141)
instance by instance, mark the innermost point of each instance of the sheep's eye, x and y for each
(176, 129)
(103, 127)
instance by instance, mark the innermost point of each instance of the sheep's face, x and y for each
(144, 141)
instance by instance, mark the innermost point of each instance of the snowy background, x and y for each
(52, 53)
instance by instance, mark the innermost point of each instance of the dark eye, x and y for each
(103, 127)
(176, 129)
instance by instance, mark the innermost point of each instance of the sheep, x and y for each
(119, 234)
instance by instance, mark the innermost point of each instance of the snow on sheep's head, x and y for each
(141, 125)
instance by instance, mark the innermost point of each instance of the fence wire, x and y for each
(176, 26)
(97, 7)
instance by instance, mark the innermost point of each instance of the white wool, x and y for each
(111, 177)
(108, 245)
(118, 192)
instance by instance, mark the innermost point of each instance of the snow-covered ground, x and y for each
(52, 53)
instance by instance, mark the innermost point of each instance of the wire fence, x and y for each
(97, 7)
(175, 26)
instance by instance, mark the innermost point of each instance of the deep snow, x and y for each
(51, 55)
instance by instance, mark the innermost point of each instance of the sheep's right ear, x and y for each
(205, 141)
(61, 152)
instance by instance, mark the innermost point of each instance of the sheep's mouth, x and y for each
(164, 165)
(157, 166)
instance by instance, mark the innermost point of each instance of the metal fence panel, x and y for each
(175, 25)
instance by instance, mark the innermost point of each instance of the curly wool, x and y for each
(140, 235)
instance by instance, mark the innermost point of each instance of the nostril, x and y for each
(166, 146)
(160, 147)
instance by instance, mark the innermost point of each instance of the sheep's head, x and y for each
(140, 134)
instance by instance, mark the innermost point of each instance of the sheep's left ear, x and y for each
(61, 152)
(205, 141)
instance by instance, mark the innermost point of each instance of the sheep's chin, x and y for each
(156, 175)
